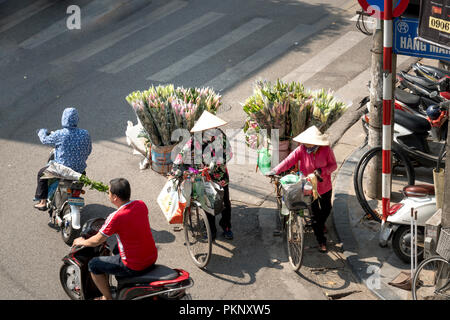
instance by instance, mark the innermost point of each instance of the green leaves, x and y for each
(99, 186)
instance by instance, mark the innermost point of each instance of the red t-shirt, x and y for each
(134, 236)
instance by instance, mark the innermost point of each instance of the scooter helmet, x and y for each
(433, 112)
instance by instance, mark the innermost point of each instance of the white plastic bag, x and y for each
(57, 170)
(172, 203)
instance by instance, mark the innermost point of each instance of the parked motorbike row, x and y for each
(420, 119)
(64, 205)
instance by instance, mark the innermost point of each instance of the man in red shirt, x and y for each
(134, 237)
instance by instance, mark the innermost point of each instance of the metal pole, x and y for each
(415, 241)
(387, 108)
(411, 245)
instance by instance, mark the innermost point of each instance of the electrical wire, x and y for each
(361, 24)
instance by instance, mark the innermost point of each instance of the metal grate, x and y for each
(443, 247)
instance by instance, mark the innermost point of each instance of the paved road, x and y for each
(124, 46)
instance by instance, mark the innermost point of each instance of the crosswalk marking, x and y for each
(90, 13)
(325, 57)
(261, 57)
(359, 83)
(149, 49)
(23, 14)
(209, 50)
(122, 33)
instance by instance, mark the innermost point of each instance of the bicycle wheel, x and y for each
(295, 240)
(197, 235)
(402, 175)
(432, 280)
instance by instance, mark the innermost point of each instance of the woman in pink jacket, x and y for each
(314, 156)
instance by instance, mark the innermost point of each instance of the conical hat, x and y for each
(312, 135)
(207, 121)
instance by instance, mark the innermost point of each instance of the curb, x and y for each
(343, 182)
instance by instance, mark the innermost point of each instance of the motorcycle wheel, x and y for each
(70, 282)
(68, 233)
(401, 249)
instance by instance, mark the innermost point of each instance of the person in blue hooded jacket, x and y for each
(72, 148)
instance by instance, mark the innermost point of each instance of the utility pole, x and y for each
(445, 223)
(373, 185)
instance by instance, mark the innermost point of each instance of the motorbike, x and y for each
(412, 103)
(155, 283)
(412, 132)
(64, 205)
(437, 91)
(422, 199)
(429, 72)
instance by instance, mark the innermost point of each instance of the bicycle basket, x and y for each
(443, 247)
(293, 196)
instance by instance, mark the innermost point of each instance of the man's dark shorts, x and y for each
(111, 265)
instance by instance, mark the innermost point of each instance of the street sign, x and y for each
(434, 22)
(406, 42)
(376, 7)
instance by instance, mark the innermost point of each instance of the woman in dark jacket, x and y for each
(214, 155)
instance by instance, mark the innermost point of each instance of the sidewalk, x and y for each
(374, 266)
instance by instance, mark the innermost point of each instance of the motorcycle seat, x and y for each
(156, 272)
(420, 81)
(411, 100)
(419, 190)
(412, 122)
(439, 73)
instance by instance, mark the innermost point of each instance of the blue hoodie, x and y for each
(72, 145)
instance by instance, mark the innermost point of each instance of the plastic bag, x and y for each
(172, 202)
(264, 160)
(59, 171)
(293, 196)
(289, 179)
(215, 194)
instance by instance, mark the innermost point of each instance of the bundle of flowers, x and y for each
(288, 107)
(269, 107)
(163, 109)
(326, 109)
(252, 131)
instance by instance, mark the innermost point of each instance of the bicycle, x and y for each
(197, 231)
(431, 280)
(292, 223)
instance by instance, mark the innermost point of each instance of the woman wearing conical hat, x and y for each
(314, 156)
(209, 153)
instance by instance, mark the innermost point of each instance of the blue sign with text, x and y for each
(406, 42)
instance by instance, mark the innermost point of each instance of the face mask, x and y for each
(312, 149)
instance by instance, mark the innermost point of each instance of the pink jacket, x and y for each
(323, 159)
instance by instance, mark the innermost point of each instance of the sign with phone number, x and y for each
(406, 42)
(439, 24)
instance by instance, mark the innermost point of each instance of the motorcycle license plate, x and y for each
(76, 201)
